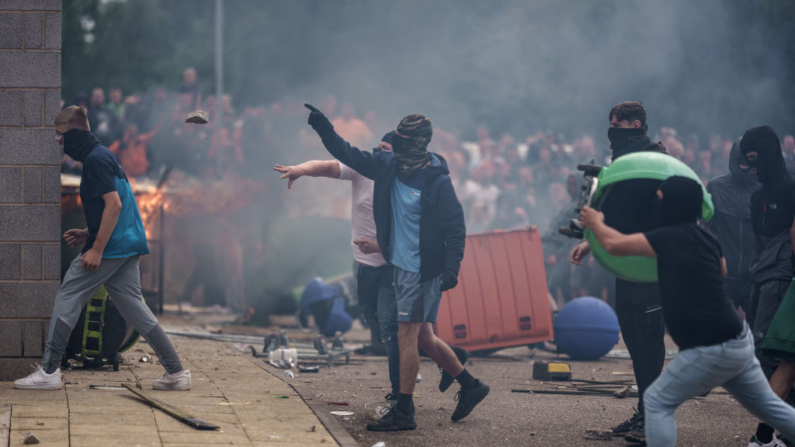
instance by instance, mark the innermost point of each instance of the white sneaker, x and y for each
(774, 443)
(40, 380)
(178, 382)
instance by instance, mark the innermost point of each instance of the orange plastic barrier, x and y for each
(501, 299)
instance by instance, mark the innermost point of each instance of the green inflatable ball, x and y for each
(625, 192)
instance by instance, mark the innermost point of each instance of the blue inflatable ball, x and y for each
(586, 328)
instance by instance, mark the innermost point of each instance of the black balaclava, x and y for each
(78, 143)
(740, 175)
(771, 169)
(386, 139)
(681, 202)
(620, 137)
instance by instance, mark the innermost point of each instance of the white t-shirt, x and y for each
(362, 220)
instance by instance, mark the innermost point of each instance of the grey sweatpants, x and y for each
(122, 279)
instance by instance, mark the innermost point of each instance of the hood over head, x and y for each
(771, 169)
(682, 199)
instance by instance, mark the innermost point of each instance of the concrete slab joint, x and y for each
(30, 215)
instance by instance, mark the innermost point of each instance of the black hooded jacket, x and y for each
(442, 228)
(731, 196)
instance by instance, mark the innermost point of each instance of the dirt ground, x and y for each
(507, 418)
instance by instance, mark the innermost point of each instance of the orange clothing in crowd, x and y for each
(355, 131)
(132, 156)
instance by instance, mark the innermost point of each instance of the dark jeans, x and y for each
(643, 328)
(376, 290)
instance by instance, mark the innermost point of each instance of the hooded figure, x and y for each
(731, 195)
(772, 217)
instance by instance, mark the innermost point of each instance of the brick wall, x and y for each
(30, 182)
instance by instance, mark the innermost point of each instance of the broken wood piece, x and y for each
(598, 434)
(171, 410)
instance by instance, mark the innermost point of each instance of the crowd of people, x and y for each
(503, 182)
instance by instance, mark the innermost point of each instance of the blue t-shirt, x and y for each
(404, 239)
(103, 174)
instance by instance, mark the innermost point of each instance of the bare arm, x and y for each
(614, 242)
(312, 168)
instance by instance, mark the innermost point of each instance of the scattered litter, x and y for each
(543, 370)
(532, 433)
(311, 429)
(309, 369)
(281, 364)
(39, 423)
(623, 392)
(373, 373)
(30, 438)
(198, 117)
(146, 358)
(419, 378)
(623, 373)
(215, 369)
(340, 404)
(599, 434)
(289, 374)
(379, 444)
(346, 419)
(342, 413)
(273, 437)
(105, 388)
(282, 397)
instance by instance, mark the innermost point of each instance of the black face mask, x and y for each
(77, 144)
(376, 150)
(771, 169)
(620, 137)
(681, 202)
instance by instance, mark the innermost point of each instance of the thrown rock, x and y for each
(30, 438)
(198, 117)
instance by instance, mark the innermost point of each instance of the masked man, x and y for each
(421, 233)
(773, 219)
(731, 196)
(716, 347)
(637, 304)
(113, 244)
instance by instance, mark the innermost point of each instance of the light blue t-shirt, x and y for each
(404, 239)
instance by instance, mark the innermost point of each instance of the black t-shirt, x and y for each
(100, 171)
(694, 303)
(773, 209)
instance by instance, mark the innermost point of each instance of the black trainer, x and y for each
(392, 400)
(447, 379)
(630, 424)
(393, 420)
(468, 399)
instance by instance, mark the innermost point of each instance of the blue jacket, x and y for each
(442, 228)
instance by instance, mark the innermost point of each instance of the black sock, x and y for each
(764, 433)
(404, 403)
(466, 380)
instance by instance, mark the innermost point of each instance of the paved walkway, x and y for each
(252, 406)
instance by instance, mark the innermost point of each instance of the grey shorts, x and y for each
(417, 302)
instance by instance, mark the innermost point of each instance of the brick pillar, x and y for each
(30, 179)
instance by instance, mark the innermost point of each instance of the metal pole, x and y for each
(219, 80)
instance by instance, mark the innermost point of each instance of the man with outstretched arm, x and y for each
(374, 275)
(113, 244)
(421, 233)
(716, 347)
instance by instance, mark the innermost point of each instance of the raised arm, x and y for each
(363, 162)
(614, 242)
(312, 168)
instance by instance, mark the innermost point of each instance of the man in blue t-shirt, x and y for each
(421, 233)
(113, 243)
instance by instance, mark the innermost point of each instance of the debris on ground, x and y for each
(282, 397)
(172, 411)
(419, 378)
(339, 404)
(289, 374)
(379, 444)
(311, 429)
(30, 438)
(146, 358)
(39, 423)
(623, 392)
(623, 373)
(543, 370)
(198, 117)
(599, 434)
(309, 369)
(342, 413)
